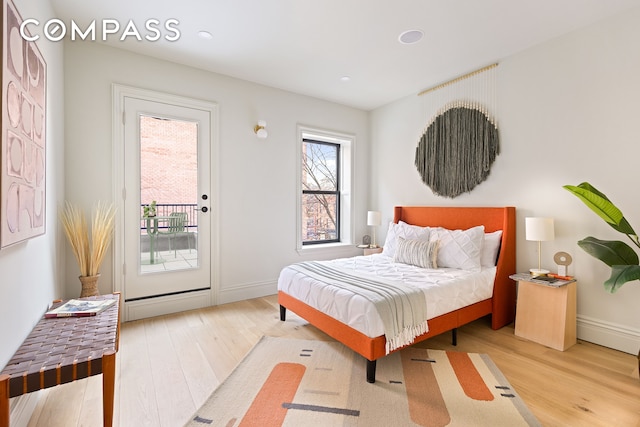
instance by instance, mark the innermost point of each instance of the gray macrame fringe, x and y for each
(456, 151)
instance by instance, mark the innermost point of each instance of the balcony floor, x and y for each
(169, 260)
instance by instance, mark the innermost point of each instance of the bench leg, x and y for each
(4, 400)
(108, 387)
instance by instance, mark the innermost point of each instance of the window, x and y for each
(320, 192)
(324, 188)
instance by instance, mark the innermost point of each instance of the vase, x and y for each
(89, 286)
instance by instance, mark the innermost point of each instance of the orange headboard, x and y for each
(493, 219)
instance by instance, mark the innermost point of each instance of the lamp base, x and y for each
(538, 272)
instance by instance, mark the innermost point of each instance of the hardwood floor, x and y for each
(167, 366)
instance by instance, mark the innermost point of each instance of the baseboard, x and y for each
(608, 334)
(247, 291)
(22, 407)
(151, 307)
(141, 309)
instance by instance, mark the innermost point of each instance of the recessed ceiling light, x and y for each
(345, 78)
(205, 35)
(410, 36)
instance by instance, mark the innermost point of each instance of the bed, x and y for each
(296, 287)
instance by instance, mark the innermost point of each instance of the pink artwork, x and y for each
(22, 179)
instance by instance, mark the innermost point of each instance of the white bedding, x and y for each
(445, 289)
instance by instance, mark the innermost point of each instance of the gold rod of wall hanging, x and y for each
(457, 79)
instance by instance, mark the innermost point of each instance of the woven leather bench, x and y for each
(61, 350)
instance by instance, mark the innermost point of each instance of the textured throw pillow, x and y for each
(421, 253)
(404, 230)
(490, 248)
(459, 248)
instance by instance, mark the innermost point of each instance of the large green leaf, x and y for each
(602, 206)
(589, 187)
(610, 252)
(621, 274)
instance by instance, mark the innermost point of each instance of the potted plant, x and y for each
(623, 259)
(149, 210)
(89, 249)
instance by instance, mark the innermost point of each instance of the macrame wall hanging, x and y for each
(460, 142)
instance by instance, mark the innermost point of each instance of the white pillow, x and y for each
(490, 248)
(459, 248)
(390, 242)
(421, 253)
(407, 231)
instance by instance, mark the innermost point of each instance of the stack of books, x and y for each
(80, 308)
(543, 280)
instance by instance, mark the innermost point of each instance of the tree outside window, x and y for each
(320, 192)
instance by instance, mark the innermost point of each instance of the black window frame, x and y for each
(336, 193)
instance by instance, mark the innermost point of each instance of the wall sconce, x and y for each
(539, 230)
(260, 130)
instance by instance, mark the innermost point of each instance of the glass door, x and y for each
(167, 207)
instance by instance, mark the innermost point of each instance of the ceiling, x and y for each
(307, 46)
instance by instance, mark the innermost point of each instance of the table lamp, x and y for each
(374, 219)
(539, 230)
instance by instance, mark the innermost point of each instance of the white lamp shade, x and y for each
(374, 218)
(539, 229)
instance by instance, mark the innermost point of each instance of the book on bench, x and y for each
(80, 308)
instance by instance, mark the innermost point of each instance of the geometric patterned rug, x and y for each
(290, 382)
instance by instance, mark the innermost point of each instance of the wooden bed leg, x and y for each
(454, 336)
(371, 371)
(283, 313)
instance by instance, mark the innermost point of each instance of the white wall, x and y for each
(31, 272)
(568, 113)
(257, 177)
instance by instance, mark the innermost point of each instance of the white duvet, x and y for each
(445, 290)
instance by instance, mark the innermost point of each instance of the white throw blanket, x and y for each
(402, 308)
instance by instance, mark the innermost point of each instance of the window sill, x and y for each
(336, 249)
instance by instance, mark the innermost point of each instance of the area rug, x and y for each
(289, 382)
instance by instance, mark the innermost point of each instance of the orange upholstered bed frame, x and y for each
(501, 306)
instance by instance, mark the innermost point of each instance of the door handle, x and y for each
(203, 209)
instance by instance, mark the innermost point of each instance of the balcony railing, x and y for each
(166, 209)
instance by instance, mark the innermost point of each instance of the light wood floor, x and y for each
(167, 366)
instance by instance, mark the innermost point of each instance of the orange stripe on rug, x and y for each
(468, 376)
(427, 407)
(266, 410)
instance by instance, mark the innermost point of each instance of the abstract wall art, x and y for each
(22, 179)
(461, 141)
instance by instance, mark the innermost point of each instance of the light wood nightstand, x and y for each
(546, 314)
(370, 251)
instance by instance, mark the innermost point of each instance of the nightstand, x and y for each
(546, 313)
(370, 251)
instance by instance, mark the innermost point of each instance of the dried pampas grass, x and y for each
(88, 250)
